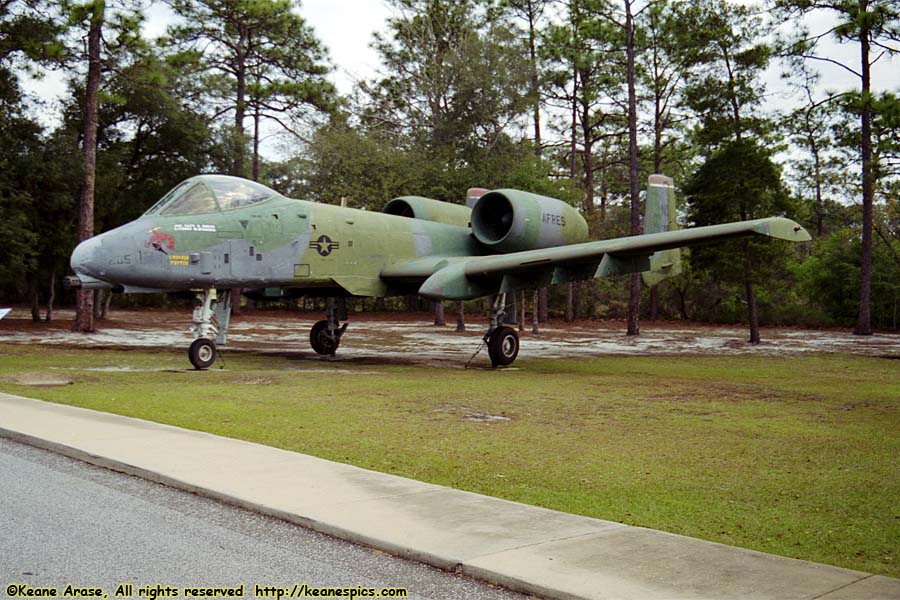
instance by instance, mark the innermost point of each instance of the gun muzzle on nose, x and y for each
(85, 282)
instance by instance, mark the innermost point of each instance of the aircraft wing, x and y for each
(465, 278)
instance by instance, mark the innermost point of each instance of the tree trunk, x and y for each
(604, 200)
(98, 303)
(535, 304)
(660, 83)
(657, 131)
(460, 317)
(84, 307)
(51, 297)
(634, 304)
(569, 302)
(817, 164)
(521, 310)
(573, 141)
(592, 298)
(633, 287)
(820, 207)
(535, 84)
(654, 302)
(544, 308)
(576, 300)
(240, 107)
(587, 162)
(682, 304)
(732, 96)
(105, 312)
(751, 312)
(439, 314)
(35, 304)
(256, 142)
(864, 320)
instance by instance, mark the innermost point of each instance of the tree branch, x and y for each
(832, 61)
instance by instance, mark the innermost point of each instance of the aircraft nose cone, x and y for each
(84, 256)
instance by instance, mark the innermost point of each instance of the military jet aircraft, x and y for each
(215, 232)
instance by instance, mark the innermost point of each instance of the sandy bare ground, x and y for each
(413, 339)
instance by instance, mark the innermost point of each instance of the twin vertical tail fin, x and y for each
(660, 215)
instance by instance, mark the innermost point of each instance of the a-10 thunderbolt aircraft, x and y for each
(216, 232)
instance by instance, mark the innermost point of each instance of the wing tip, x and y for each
(784, 229)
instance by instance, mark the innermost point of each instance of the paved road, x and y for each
(63, 521)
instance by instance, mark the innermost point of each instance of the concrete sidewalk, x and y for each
(525, 548)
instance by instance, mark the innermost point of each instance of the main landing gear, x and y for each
(202, 353)
(325, 335)
(210, 325)
(502, 341)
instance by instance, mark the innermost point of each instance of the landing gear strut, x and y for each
(325, 335)
(210, 324)
(502, 341)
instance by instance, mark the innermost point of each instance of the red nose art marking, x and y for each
(159, 240)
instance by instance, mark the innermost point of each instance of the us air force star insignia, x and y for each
(324, 246)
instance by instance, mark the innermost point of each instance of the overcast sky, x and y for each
(344, 26)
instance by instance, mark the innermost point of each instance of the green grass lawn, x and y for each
(794, 456)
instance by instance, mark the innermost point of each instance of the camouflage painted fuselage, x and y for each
(280, 242)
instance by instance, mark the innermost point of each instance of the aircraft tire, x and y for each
(503, 347)
(320, 341)
(202, 353)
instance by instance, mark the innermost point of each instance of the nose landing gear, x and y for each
(210, 325)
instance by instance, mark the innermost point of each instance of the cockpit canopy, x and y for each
(210, 193)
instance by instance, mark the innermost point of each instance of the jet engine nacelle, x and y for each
(417, 207)
(512, 221)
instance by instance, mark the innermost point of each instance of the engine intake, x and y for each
(512, 221)
(417, 207)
